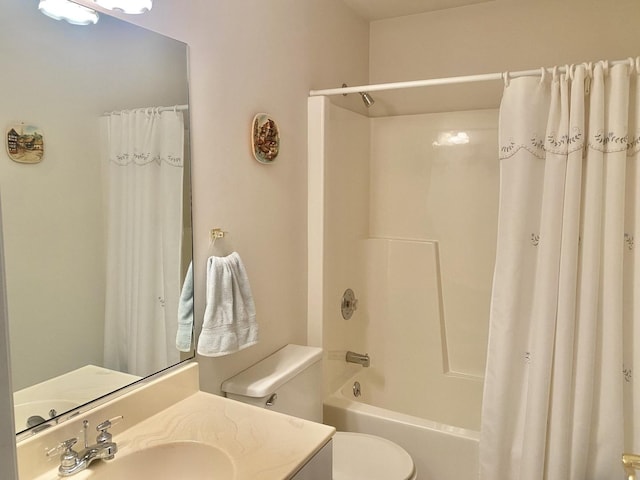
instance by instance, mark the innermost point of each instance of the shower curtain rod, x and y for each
(486, 77)
(160, 109)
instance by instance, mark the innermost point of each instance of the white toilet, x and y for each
(290, 381)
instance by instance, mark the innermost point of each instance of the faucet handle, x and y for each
(109, 423)
(69, 458)
(104, 435)
(61, 448)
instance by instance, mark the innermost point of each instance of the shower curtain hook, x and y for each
(587, 78)
(637, 64)
(571, 70)
(632, 65)
(505, 77)
(555, 73)
(605, 66)
(543, 74)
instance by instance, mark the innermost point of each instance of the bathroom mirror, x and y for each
(61, 80)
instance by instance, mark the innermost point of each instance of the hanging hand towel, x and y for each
(230, 315)
(185, 313)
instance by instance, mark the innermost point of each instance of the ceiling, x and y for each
(380, 9)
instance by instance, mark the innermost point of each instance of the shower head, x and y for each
(367, 99)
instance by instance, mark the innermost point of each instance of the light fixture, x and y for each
(69, 11)
(126, 6)
(451, 138)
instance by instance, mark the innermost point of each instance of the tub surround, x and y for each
(261, 444)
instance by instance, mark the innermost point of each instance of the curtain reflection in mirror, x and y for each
(144, 180)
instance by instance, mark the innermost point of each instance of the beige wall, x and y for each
(502, 35)
(249, 57)
(492, 37)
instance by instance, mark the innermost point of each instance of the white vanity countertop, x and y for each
(262, 445)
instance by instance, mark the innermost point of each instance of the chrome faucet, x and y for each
(353, 357)
(72, 462)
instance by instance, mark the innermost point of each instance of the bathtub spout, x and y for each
(353, 357)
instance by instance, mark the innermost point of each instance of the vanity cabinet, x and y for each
(319, 467)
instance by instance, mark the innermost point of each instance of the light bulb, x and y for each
(127, 6)
(69, 11)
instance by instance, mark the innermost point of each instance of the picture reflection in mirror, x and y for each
(98, 233)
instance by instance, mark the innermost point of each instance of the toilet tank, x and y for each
(287, 381)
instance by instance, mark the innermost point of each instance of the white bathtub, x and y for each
(439, 451)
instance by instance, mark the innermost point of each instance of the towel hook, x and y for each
(215, 234)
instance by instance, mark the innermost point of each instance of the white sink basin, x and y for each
(184, 460)
(23, 411)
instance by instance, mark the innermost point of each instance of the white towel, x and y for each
(185, 313)
(230, 315)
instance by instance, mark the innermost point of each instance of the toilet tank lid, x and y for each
(266, 376)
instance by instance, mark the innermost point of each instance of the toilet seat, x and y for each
(358, 456)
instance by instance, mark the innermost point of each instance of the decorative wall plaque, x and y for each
(25, 143)
(265, 140)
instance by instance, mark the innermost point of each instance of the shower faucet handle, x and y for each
(349, 304)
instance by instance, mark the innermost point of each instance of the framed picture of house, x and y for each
(25, 143)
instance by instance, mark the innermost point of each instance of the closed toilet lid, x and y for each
(357, 456)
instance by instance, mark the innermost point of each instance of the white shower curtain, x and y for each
(559, 394)
(144, 172)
